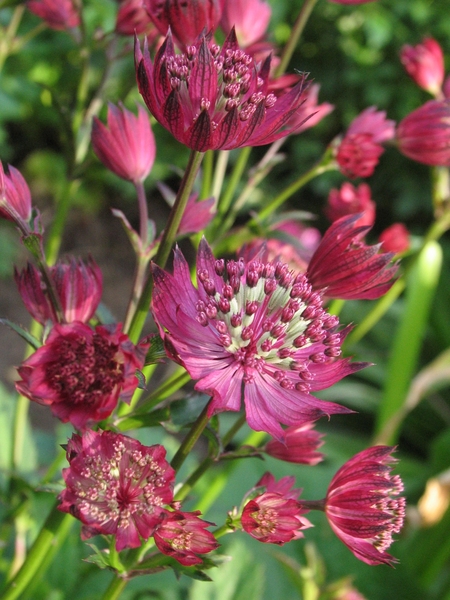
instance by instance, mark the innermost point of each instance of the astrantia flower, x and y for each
(395, 238)
(255, 331)
(343, 266)
(127, 146)
(183, 536)
(78, 285)
(132, 18)
(15, 197)
(210, 98)
(424, 63)
(58, 14)
(310, 112)
(116, 486)
(275, 517)
(350, 200)
(300, 445)
(250, 18)
(363, 507)
(81, 372)
(424, 134)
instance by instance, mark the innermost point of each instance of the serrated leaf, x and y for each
(101, 558)
(156, 352)
(151, 419)
(141, 379)
(30, 339)
(187, 410)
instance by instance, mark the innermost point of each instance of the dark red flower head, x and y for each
(132, 18)
(58, 14)
(211, 98)
(350, 200)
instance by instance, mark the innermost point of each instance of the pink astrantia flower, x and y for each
(116, 486)
(127, 145)
(78, 285)
(344, 267)
(81, 372)
(362, 506)
(132, 18)
(255, 331)
(15, 197)
(358, 153)
(250, 18)
(425, 64)
(395, 238)
(275, 517)
(187, 19)
(211, 98)
(58, 14)
(310, 113)
(197, 215)
(300, 445)
(424, 134)
(350, 200)
(183, 536)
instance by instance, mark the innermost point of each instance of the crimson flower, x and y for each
(182, 535)
(395, 238)
(187, 19)
(350, 200)
(275, 517)
(310, 113)
(344, 267)
(424, 134)
(250, 18)
(116, 486)
(15, 197)
(362, 506)
(255, 331)
(211, 98)
(127, 146)
(58, 14)
(78, 285)
(424, 63)
(300, 445)
(81, 372)
(132, 18)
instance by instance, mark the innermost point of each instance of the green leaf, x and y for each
(185, 411)
(156, 352)
(101, 558)
(30, 339)
(139, 421)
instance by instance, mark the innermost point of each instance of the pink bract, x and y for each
(116, 486)
(211, 98)
(132, 18)
(424, 63)
(253, 331)
(81, 372)
(15, 197)
(300, 445)
(250, 18)
(350, 200)
(363, 507)
(58, 14)
(395, 238)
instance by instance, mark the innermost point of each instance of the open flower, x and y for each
(81, 372)
(116, 486)
(15, 197)
(255, 331)
(362, 504)
(78, 285)
(211, 98)
(275, 516)
(183, 536)
(424, 63)
(350, 200)
(58, 14)
(299, 446)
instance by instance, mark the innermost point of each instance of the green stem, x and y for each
(54, 531)
(191, 438)
(126, 409)
(115, 588)
(166, 389)
(208, 164)
(236, 176)
(296, 32)
(168, 238)
(55, 234)
(6, 44)
(219, 173)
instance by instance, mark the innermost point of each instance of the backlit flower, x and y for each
(211, 98)
(275, 516)
(116, 486)
(395, 238)
(253, 331)
(299, 446)
(250, 18)
(310, 113)
(15, 197)
(350, 200)
(183, 536)
(425, 64)
(78, 285)
(127, 145)
(424, 134)
(58, 14)
(343, 266)
(363, 507)
(187, 19)
(81, 372)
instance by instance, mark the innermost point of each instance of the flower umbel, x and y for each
(424, 63)
(255, 331)
(300, 445)
(116, 486)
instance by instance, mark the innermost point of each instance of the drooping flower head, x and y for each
(395, 238)
(424, 134)
(250, 18)
(275, 516)
(254, 331)
(424, 63)
(127, 146)
(363, 507)
(300, 445)
(343, 266)
(358, 153)
(116, 486)
(58, 14)
(211, 98)
(183, 536)
(187, 19)
(15, 197)
(81, 372)
(78, 285)
(350, 200)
